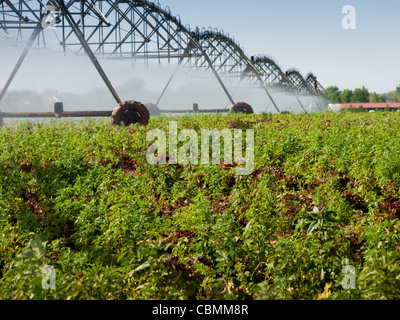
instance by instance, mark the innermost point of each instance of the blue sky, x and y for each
(306, 35)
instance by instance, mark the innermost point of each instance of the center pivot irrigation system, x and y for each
(139, 29)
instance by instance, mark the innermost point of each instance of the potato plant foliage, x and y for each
(80, 196)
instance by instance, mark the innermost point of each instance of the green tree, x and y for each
(398, 90)
(374, 97)
(361, 109)
(383, 98)
(333, 94)
(394, 99)
(346, 95)
(360, 95)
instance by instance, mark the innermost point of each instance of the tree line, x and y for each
(359, 95)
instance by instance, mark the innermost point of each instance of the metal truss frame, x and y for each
(313, 83)
(140, 29)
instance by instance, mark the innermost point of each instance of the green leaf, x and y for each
(27, 254)
(141, 267)
(236, 282)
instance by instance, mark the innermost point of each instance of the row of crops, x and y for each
(318, 218)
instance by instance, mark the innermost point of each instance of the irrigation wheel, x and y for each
(242, 107)
(153, 109)
(130, 112)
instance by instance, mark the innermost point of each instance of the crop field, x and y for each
(318, 218)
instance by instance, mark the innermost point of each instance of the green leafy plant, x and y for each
(323, 195)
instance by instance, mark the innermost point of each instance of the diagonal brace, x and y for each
(21, 59)
(89, 52)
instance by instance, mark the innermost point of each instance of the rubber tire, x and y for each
(130, 112)
(153, 109)
(242, 107)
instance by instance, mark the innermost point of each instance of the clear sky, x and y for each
(306, 35)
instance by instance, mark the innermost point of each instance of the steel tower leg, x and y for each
(21, 59)
(219, 78)
(270, 97)
(169, 81)
(265, 88)
(89, 52)
(316, 103)
(297, 97)
(173, 74)
(199, 47)
(251, 65)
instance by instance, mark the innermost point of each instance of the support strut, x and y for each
(270, 97)
(16, 11)
(88, 51)
(191, 45)
(297, 97)
(21, 59)
(169, 81)
(262, 84)
(210, 63)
